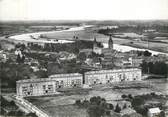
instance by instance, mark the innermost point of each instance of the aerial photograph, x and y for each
(83, 58)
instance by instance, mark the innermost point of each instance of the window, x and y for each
(62, 82)
(28, 93)
(120, 76)
(24, 89)
(50, 86)
(31, 85)
(72, 82)
(111, 78)
(44, 87)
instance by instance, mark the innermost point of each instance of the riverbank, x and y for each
(155, 50)
(67, 35)
(153, 46)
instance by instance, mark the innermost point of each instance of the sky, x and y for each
(83, 9)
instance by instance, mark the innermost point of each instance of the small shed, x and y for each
(154, 112)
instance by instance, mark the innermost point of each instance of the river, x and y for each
(27, 37)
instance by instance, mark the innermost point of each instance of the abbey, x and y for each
(100, 50)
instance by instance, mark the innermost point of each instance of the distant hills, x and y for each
(90, 22)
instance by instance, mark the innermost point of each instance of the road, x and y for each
(28, 107)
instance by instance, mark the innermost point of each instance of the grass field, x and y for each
(66, 111)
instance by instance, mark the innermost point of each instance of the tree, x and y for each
(85, 103)
(162, 114)
(125, 106)
(144, 66)
(19, 113)
(82, 56)
(137, 101)
(95, 100)
(20, 59)
(117, 108)
(147, 53)
(95, 111)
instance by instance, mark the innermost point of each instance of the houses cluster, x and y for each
(49, 86)
(109, 58)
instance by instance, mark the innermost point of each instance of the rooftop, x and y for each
(64, 75)
(51, 78)
(154, 110)
(113, 70)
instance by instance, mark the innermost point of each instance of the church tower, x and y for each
(96, 48)
(110, 43)
(94, 43)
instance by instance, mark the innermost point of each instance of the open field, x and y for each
(128, 39)
(62, 105)
(66, 111)
(156, 46)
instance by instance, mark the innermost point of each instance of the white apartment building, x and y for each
(48, 86)
(109, 76)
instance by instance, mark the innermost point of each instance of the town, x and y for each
(83, 72)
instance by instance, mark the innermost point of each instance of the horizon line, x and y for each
(84, 20)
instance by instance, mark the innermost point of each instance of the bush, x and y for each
(95, 100)
(31, 115)
(111, 107)
(137, 101)
(78, 102)
(130, 96)
(85, 103)
(107, 112)
(12, 103)
(147, 53)
(123, 96)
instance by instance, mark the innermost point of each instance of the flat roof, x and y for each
(113, 70)
(64, 75)
(51, 78)
(154, 110)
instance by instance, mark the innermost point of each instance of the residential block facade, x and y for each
(48, 86)
(110, 76)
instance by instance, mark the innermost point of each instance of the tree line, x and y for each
(57, 47)
(159, 68)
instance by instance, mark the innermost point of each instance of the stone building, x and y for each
(110, 43)
(96, 48)
(110, 76)
(154, 112)
(48, 86)
(105, 51)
